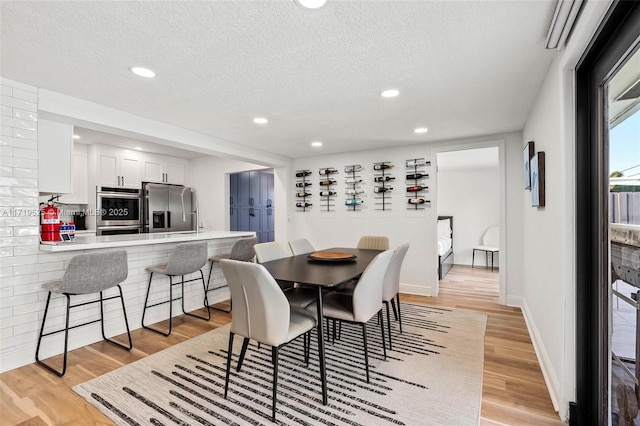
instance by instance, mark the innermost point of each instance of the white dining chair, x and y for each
(301, 246)
(299, 297)
(361, 305)
(262, 313)
(391, 288)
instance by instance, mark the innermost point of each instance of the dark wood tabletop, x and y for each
(300, 269)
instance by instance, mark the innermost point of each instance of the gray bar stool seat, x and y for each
(184, 259)
(243, 251)
(87, 274)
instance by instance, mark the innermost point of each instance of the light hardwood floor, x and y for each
(514, 392)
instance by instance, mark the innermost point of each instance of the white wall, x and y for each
(344, 227)
(472, 197)
(549, 240)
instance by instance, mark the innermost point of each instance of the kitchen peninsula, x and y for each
(143, 250)
(90, 242)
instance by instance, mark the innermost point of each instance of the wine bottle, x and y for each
(327, 182)
(353, 168)
(415, 188)
(416, 162)
(327, 193)
(417, 176)
(328, 171)
(381, 189)
(353, 202)
(303, 173)
(351, 181)
(354, 191)
(302, 184)
(383, 178)
(303, 204)
(303, 194)
(382, 166)
(417, 201)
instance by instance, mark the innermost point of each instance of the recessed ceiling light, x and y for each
(137, 148)
(391, 93)
(143, 72)
(311, 4)
(316, 144)
(420, 130)
(260, 120)
(76, 137)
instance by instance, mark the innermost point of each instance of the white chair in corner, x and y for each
(262, 313)
(297, 296)
(490, 245)
(301, 246)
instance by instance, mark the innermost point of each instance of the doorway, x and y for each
(596, 402)
(455, 168)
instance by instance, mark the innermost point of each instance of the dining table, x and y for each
(323, 270)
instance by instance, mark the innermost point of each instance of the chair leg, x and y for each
(58, 373)
(388, 325)
(473, 257)
(384, 346)
(307, 347)
(126, 322)
(334, 330)
(395, 311)
(229, 350)
(274, 357)
(206, 304)
(366, 355)
(146, 299)
(399, 313)
(245, 344)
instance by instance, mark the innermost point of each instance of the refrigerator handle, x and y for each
(168, 214)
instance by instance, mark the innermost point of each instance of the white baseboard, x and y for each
(420, 290)
(514, 301)
(548, 373)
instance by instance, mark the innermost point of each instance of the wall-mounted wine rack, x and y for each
(352, 182)
(327, 188)
(382, 184)
(302, 183)
(415, 173)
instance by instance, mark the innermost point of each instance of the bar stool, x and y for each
(184, 259)
(87, 274)
(242, 250)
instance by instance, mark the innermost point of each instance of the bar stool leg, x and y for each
(146, 299)
(126, 322)
(206, 304)
(58, 373)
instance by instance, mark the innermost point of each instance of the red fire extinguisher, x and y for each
(50, 223)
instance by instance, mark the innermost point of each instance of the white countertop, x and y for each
(89, 242)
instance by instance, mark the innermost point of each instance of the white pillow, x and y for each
(444, 229)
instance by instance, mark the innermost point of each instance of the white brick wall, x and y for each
(19, 221)
(23, 268)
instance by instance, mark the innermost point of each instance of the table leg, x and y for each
(323, 370)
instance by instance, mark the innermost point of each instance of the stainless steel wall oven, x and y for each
(119, 211)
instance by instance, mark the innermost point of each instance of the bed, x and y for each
(445, 245)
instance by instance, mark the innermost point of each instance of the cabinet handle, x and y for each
(231, 200)
(250, 201)
(119, 181)
(251, 212)
(122, 180)
(230, 211)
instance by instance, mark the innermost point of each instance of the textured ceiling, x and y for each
(463, 68)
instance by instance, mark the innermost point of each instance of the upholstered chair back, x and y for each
(260, 308)
(392, 277)
(95, 272)
(186, 258)
(367, 294)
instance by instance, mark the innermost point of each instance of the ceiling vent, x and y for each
(562, 23)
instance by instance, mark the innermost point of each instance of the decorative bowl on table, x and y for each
(331, 256)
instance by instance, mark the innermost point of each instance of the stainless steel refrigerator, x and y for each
(167, 208)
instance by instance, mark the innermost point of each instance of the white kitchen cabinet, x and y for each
(55, 142)
(79, 188)
(161, 169)
(118, 168)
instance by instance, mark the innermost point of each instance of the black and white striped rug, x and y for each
(433, 376)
